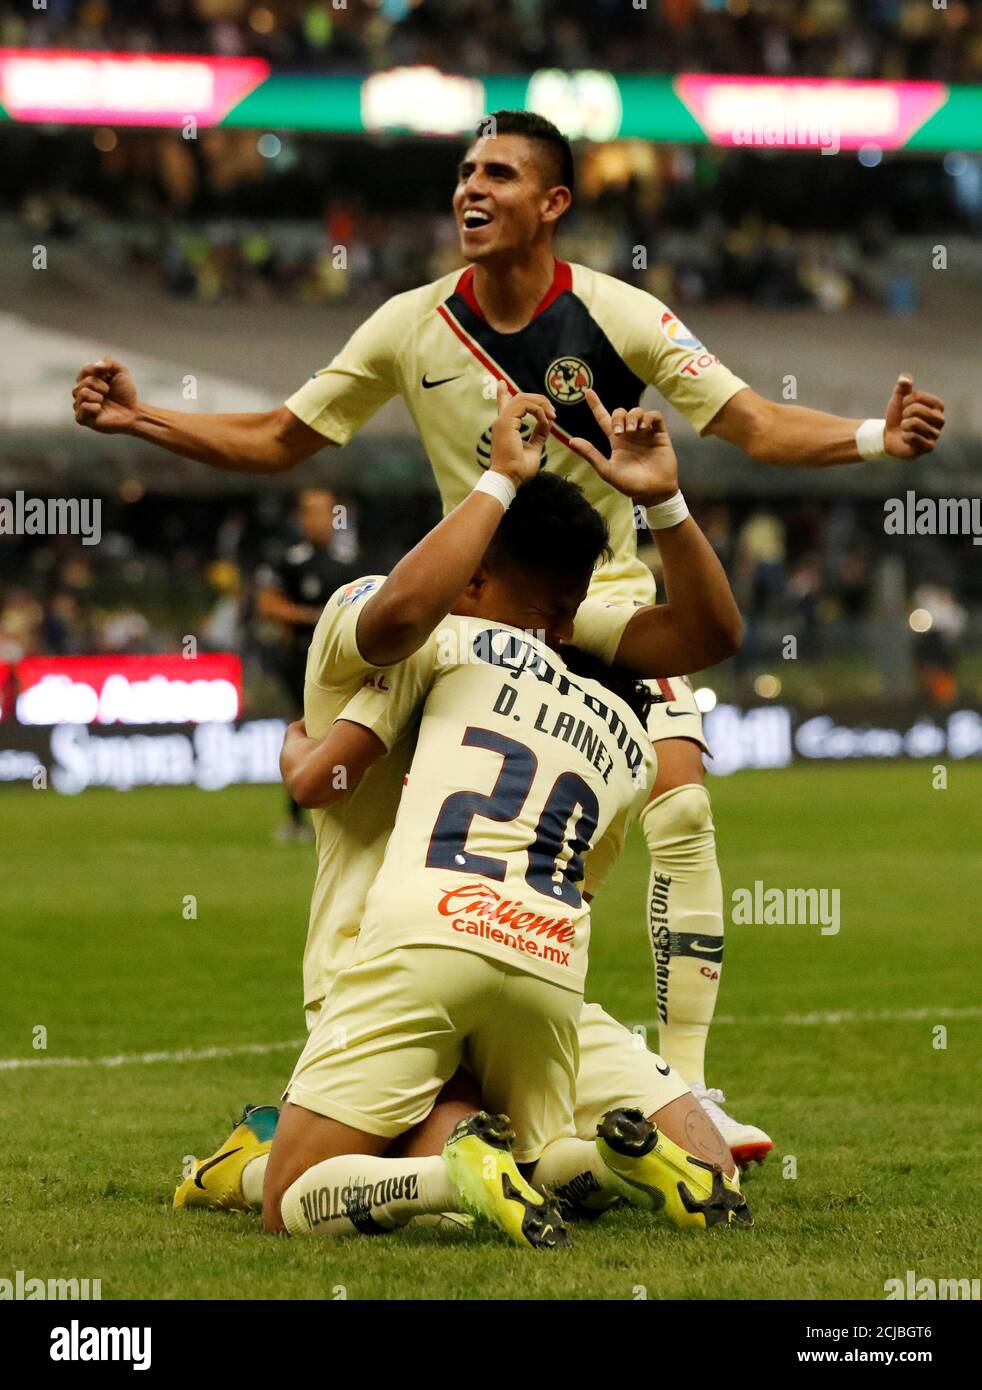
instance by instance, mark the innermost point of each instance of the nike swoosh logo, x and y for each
(677, 713)
(428, 385)
(663, 1070)
(704, 950)
(210, 1164)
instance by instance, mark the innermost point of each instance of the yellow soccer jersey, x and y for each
(519, 770)
(433, 346)
(352, 834)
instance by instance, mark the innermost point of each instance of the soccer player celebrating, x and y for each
(475, 929)
(519, 315)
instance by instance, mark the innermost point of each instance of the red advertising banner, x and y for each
(809, 112)
(124, 88)
(169, 689)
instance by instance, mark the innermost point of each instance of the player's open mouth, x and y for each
(476, 217)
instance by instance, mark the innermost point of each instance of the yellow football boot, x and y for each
(656, 1174)
(217, 1181)
(490, 1187)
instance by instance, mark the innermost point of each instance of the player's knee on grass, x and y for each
(686, 1123)
(303, 1139)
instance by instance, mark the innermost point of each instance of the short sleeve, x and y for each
(599, 627)
(334, 659)
(338, 399)
(662, 351)
(391, 701)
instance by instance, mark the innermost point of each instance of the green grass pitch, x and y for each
(827, 1041)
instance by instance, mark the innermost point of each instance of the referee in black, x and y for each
(292, 594)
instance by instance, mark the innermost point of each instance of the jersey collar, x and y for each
(562, 281)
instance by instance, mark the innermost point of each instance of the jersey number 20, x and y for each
(569, 794)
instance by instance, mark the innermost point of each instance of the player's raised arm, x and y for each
(778, 433)
(269, 441)
(425, 584)
(700, 623)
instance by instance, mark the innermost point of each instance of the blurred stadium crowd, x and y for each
(214, 219)
(247, 216)
(839, 38)
(166, 568)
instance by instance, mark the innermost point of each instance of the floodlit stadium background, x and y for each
(800, 180)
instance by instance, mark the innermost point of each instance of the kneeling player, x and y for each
(485, 804)
(708, 602)
(618, 1082)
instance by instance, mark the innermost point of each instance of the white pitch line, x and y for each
(211, 1054)
(147, 1059)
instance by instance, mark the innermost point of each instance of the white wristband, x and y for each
(870, 440)
(498, 486)
(667, 513)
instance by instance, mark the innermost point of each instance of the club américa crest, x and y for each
(567, 378)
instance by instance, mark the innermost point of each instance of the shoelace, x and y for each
(711, 1098)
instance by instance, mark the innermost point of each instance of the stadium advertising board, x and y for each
(74, 757)
(79, 88)
(773, 736)
(145, 690)
(88, 87)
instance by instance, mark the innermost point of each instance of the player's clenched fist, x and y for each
(517, 457)
(642, 462)
(105, 396)
(914, 421)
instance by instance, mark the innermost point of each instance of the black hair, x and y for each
(552, 528)
(543, 132)
(617, 679)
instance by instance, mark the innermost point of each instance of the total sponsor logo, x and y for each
(681, 337)
(677, 334)
(479, 910)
